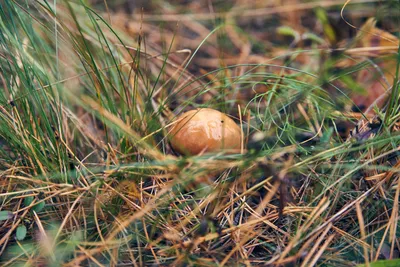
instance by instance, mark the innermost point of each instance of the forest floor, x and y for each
(89, 93)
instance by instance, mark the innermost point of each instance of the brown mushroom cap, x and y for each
(205, 130)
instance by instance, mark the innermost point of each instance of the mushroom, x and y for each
(205, 130)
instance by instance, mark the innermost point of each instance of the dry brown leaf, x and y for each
(375, 44)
